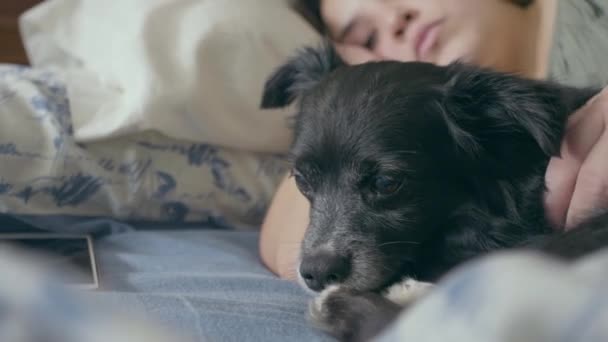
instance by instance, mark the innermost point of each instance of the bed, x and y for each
(12, 48)
(82, 151)
(174, 210)
(162, 284)
(209, 285)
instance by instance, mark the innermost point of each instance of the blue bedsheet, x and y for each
(202, 283)
(208, 284)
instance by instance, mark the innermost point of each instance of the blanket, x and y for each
(511, 296)
(139, 177)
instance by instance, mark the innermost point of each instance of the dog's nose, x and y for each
(323, 268)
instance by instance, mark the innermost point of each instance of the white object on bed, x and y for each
(189, 69)
(139, 177)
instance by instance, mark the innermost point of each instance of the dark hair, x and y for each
(522, 3)
(311, 10)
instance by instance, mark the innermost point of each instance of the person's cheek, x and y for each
(353, 54)
(455, 47)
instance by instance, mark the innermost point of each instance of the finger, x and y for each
(591, 190)
(562, 171)
(602, 96)
(586, 126)
(560, 180)
(584, 129)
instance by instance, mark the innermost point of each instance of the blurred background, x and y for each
(12, 50)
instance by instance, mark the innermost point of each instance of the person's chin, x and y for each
(448, 57)
(456, 48)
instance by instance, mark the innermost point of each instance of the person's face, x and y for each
(484, 32)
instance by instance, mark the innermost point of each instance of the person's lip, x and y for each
(426, 38)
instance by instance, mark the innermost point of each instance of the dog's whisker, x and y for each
(399, 243)
(388, 268)
(406, 151)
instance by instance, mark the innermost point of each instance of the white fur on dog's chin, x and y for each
(407, 291)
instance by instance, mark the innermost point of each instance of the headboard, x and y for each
(11, 49)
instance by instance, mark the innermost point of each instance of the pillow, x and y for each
(189, 69)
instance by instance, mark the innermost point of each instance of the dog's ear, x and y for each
(299, 74)
(489, 113)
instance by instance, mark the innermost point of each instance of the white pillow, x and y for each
(190, 69)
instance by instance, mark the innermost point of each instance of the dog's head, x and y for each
(386, 151)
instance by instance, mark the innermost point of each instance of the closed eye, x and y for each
(370, 42)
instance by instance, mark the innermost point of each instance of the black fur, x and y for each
(299, 75)
(464, 148)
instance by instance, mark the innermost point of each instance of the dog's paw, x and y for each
(352, 316)
(317, 310)
(407, 291)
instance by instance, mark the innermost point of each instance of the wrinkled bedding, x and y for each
(209, 285)
(206, 285)
(142, 177)
(513, 297)
(202, 284)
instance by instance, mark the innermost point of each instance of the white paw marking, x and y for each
(407, 291)
(316, 310)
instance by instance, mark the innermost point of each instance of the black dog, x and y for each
(412, 169)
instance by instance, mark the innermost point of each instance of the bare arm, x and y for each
(283, 230)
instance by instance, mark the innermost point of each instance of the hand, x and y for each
(578, 181)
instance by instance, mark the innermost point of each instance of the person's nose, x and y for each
(391, 41)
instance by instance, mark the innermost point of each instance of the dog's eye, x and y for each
(302, 184)
(386, 185)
